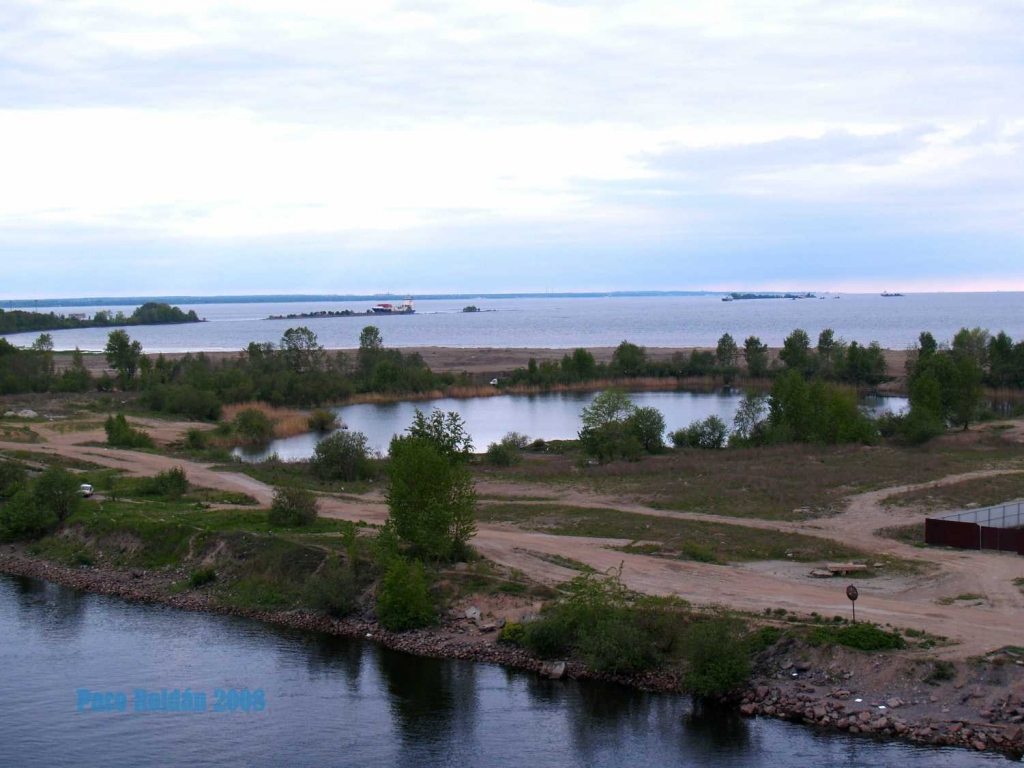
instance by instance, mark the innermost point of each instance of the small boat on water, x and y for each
(887, 295)
(405, 308)
(728, 298)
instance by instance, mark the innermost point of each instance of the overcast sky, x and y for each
(268, 146)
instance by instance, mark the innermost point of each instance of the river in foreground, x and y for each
(332, 701)
(551, 416)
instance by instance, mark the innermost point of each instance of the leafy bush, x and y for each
(253, 425)
(334, 589)
(341, 456)
(716, 657)
(404, 600)
(22, 518)
(709, 434)
(122, 435)
(513, 633)
(56, 492)
(12, 478)
(647, 426)
(431, 497)
(506, 452)
(618, 645)
(172, 483)
(293, 507)
(196, 439)
(862, 637)
(322, 420)
(763, 639)
(201, 577)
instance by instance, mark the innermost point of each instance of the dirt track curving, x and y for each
(907, 602)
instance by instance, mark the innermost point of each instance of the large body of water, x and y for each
(551, 416)
(332, 701)
(578, 322)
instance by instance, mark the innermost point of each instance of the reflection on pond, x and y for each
(551, 416)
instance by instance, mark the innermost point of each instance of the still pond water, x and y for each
(551, 416)
(331, 701)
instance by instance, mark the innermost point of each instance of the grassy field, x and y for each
(682, 539)
(983, 492)
(297, 474)
(786, 482)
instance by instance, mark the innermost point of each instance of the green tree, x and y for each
(431, 497)
(756, 356)
(123, 356)
(22, 517)
(606, 433)
(648, 426)
(341, 456)
(628, 360)
(301, 350)
(56, 491)
(973, 344)
(750, 416)
(727, 354)
(796, 352)
(371, 345)
(447, 432)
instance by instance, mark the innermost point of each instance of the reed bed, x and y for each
(288, 422)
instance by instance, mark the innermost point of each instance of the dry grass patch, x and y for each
(680, 539)
(981, 492)
(785, 482)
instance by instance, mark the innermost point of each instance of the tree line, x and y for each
(832, 359)
(150, 313)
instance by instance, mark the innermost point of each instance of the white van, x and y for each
(85, 489)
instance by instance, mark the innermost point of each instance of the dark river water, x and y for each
(330, 701)
(551, 416)
(576, 322)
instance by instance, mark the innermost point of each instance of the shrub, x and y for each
(617, 645)
(253, 425)
(201, 577)
(506, 452)
(56, 491)
(196, 439)
(764, 638)
(23, 518)
(334, 589)
(322, 420)
(122, 435)
(862, 637)
(709, 434)
(293, 507)
(403, 600)
(341, 456)
(647, 425)
(717, 661)
(172, 483)
(513, 633)
(12, 477)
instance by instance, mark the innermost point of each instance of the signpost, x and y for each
(851, 592)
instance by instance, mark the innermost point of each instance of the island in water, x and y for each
(150, 313)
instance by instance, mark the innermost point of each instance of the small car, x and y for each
(85, 489)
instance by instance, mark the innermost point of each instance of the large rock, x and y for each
(27, 414)
(473, 613)
(554, 670)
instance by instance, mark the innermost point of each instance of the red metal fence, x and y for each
(1000, 527)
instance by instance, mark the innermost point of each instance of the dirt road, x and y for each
(911, 602)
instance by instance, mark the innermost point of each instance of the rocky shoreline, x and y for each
(784, 690)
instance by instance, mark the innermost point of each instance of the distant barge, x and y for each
(405, 308)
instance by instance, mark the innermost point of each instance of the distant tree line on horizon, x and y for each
(150, 313)
(832, 360)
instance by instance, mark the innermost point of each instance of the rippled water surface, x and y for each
(592, 322)
(332, 701)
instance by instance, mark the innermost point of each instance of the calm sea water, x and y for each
(552, 416)
(331, 701)
(555, 323)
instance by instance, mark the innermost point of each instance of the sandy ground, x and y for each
(490, 361)
(906, 602)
